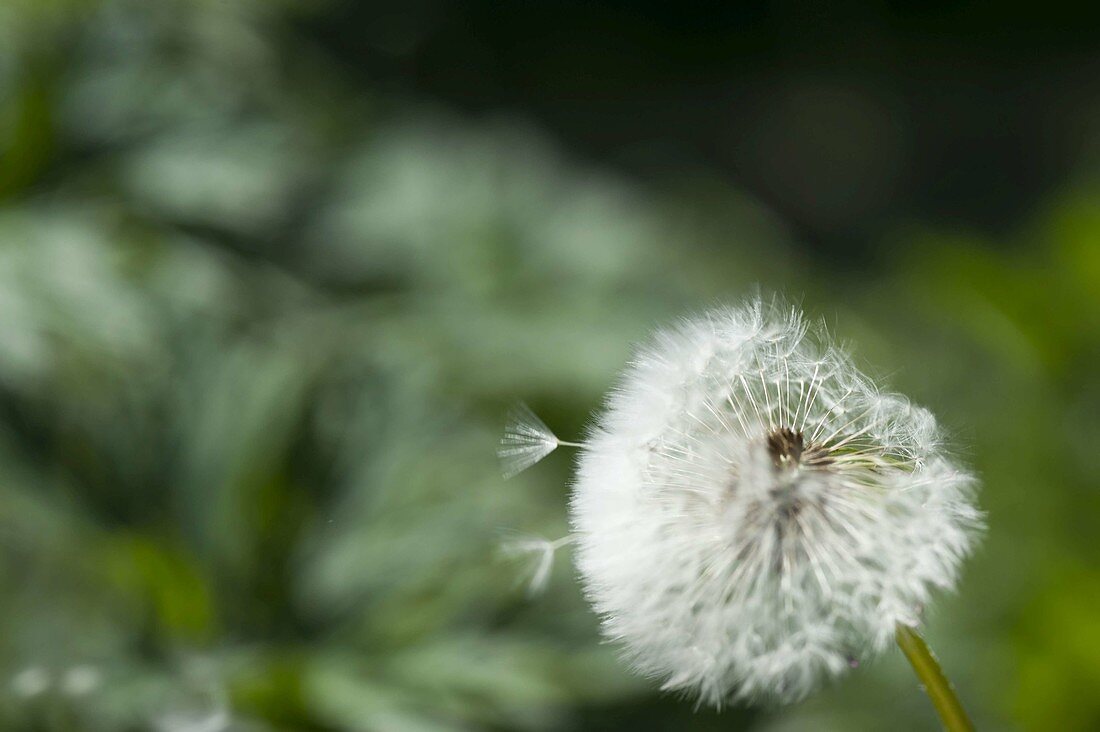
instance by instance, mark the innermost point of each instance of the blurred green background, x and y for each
(271, 272)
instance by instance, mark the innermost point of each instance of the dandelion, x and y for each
(753, 515)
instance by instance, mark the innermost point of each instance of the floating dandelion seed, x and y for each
(541, 551)
(526, 440)
(752, 514)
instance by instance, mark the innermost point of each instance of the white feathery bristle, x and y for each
(526, 440)
(753, 515)
(541, 551)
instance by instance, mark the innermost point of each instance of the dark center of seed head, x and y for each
(785, 447)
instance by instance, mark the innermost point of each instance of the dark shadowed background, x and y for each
(271, 273)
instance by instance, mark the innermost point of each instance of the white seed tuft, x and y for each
(526, 441)
(541, 553)
(753, 515)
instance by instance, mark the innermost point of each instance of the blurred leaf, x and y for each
(178, 596)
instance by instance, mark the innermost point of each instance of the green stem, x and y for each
(935, 684)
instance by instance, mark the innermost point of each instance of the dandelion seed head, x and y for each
(753, 515)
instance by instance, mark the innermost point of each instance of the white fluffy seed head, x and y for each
(753, 515)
